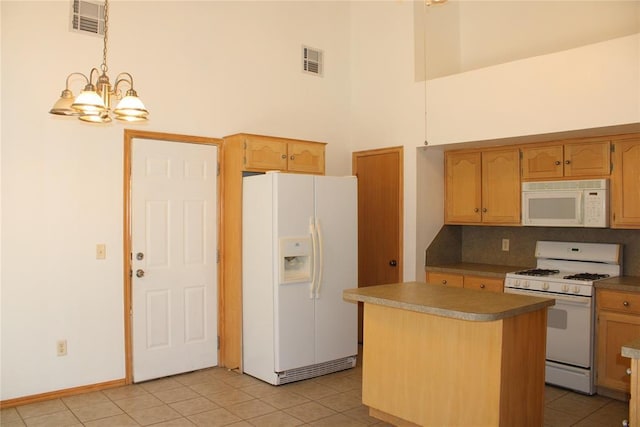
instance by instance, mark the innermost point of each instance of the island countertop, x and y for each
(455, 303)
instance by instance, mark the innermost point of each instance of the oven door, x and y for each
(569, 328)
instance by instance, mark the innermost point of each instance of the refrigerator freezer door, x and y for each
(294, 308)
(336, 320)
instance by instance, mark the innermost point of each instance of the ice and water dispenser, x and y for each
(295, 259)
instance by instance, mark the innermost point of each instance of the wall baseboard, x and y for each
(60, 393)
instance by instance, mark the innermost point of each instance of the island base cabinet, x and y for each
(428, 370)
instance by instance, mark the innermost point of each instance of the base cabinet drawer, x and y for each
(481, 283)
(445, 279)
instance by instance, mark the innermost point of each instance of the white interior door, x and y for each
(174, 245)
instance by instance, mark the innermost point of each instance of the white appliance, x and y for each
(566, 271)
(583, 203)
(299, 252)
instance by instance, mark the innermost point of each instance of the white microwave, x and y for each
(583, 203)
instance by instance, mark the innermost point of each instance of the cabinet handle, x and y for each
(557, 163)
(625, 303)
(481, 285)
(284, 156)
(444, 281)
(567, 162)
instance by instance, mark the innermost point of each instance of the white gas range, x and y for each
(567, 271)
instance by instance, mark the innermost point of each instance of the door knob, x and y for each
(393, 263)
(139, 273)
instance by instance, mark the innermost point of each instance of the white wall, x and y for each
(202, 68)
(587, 87)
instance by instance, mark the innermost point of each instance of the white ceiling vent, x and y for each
(312, 61)
(87, 17)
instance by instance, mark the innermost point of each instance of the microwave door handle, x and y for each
(580, 202)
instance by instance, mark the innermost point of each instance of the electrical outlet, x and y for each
(61, 347)
(505, 245)
(101, 251)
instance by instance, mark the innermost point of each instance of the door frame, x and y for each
(388, 150)
(129, 136)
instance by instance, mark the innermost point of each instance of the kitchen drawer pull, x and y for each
(625, 303)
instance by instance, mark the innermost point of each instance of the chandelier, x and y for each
(93, 104)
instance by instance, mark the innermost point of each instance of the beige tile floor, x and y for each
(219, 397)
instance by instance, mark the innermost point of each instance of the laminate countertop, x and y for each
(621, 283)
(456, 303)
(632, 349)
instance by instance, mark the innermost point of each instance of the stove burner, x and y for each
(586, 276)
(537, 272)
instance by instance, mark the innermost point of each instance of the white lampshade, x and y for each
(96, 118)
(89, 102)
(131, 108)
(62, 107)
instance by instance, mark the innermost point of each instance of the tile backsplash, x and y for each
(483, 244)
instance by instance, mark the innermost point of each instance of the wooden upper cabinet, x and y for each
(482, 187)
(625, 185)
(501, 186)
(463, 186)
(306, 157)
(263, 153)
(580, 159)
(542, 162)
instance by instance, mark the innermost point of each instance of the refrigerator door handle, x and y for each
(314, 252)
(320, 258)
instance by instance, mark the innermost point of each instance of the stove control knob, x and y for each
(576, 289)
(565, 288)
(545, 286)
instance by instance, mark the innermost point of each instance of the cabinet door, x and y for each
(625, 185)
(306, 157)
(501, 186)
(444, 279)
(484, 283)
(614, 331)
(542, 162)
(265, 154)
(463, 187)
(587, 159)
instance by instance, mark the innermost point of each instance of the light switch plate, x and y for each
(101, 251)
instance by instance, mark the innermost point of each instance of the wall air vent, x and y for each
(87, 17)
(312, 61)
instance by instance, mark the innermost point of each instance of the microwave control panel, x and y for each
(595, 208)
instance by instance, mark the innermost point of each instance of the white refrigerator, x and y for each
(299, 252)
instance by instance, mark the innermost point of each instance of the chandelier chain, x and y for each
(104, 67)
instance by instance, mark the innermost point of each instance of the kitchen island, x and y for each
(438, 356)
